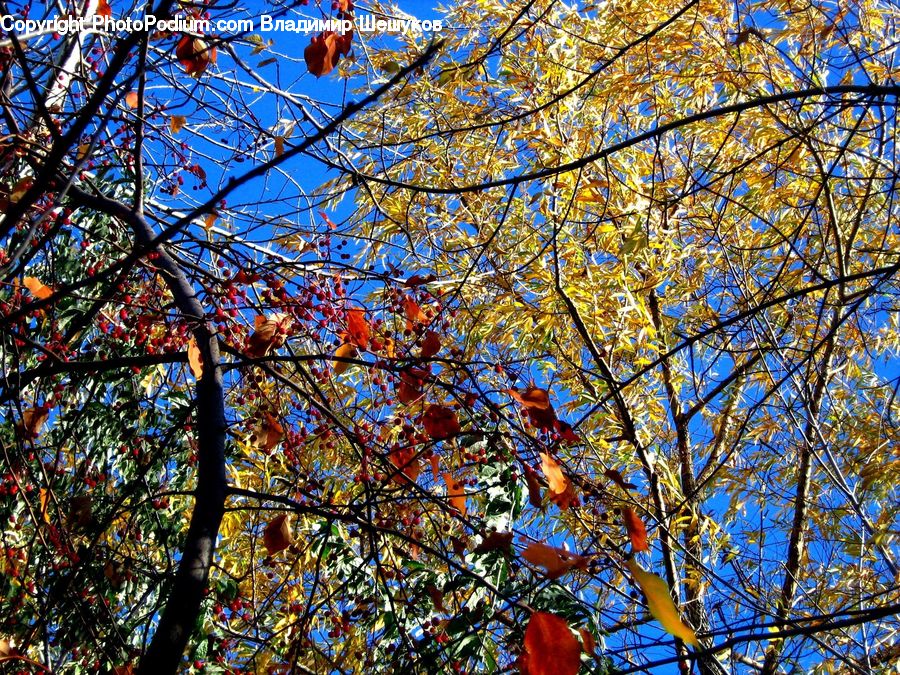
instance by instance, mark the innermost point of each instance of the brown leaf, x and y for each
(537, 406)
(534, 488)
(33, 420)
(636, 530)
(556, 561)
(321, 55)
(409, 388)
(431, 344)
(269, 333)
(617, 478)
(277, 535)
(345, 351)
(268, 433)
(550, 647)
(494, 541)
(279, 146)
(195, 358)
(588, 641)
(437, 598)
(81, 512)
(440, 422)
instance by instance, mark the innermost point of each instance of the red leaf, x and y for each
(358, 328)
(636, 530)
(407, 460)
(440, 422)
(409, 390)
(103, 8)
(431, 344)
(550, 648)
(566, 433)
(194, 55)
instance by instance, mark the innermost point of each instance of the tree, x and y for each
(583, 357)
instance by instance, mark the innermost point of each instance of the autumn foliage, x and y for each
(560, 341)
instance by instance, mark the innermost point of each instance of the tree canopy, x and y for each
(547, 337)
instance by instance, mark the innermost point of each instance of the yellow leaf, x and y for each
(195, 358)
(659, 601)
(176, 122)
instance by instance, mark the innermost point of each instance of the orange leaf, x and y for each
(277, 535)
(131, 99)
(269, 333)
(345, 351)
(636, 530)
(550, 647)
(412, 310)
(556, 479)
(537, 406)
(556, 561)
(532, 398)
(195, 358)
(456, 493)
(210, 220)
(431, 344)
(358, 328)
(435, 465)
(565, 499)
(321, 55)
(103, 8)
(440, 422)
(36, 288)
